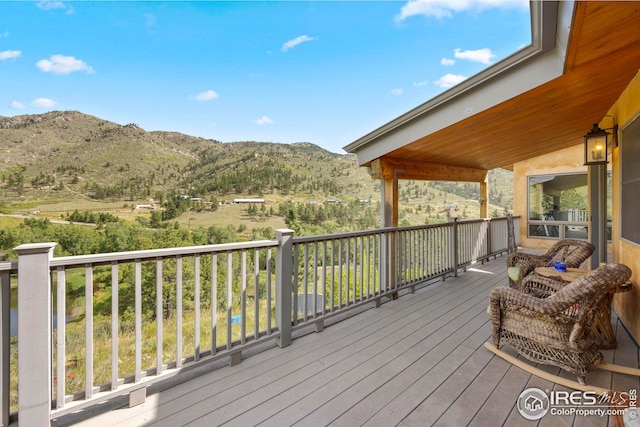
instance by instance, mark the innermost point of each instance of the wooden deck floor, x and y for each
(415, 361)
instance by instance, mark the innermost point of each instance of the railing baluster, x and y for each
(88, 295)
(178, 311)
(256, 294)
(243, 298)
(333, 275)
(363, 294)
(159, 315)
(214, 302)
(423, 273)
(138, 319)
(324, 277)
(269, 297)
(377, 265)
(305, 284)
(340, 273)
(368, 266)
(315, 280)
(115, 329)
(196, 306)
(61, 352)
(410, 260)
(229, 298)
(348, 264)
(296, 283)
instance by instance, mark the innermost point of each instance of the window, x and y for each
(630, 182)
(558, 206)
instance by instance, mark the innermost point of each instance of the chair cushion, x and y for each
(514, 273)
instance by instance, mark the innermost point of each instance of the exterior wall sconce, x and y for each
(596, 144)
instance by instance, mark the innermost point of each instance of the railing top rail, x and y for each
(335, 236)
(107, 258)
(497, 218)
(8, 265)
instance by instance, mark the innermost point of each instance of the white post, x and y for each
(284, 271)
(5, 355)
(34, 334)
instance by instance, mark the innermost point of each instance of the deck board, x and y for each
(414, 361)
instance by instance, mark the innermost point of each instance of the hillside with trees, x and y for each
(69, 166)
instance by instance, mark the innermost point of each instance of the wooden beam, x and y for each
(390, 168)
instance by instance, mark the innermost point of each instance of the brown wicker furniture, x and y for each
(570, 251)
(550, 322)
(602, 329)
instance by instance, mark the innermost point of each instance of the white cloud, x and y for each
(4, 35)
(207, 95)
(447, 62)
(449, 80)
(54, 5)
(420, 84)
(295, 42)
(150, 19)
(59, 64)
(483, 56)
(17, 105)
(43, 102)
(264, 120)
(9, 54)
(446, 8)
(396, 91)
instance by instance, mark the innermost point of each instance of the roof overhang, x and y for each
(541, 99)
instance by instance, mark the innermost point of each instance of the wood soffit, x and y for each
(602, 57)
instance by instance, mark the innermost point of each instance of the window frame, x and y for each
(560, 225)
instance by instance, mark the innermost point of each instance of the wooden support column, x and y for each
(390, 219)
(484, 196)
(390, 202)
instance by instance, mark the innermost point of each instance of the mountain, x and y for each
(67, 155)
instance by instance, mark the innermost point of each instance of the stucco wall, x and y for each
(562, 161)
(627, 305)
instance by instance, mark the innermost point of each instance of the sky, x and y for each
(325, 72)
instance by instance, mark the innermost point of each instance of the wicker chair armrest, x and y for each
(522, 257)
(503, 296)
(555, 303)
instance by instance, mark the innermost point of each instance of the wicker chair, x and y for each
(572, 252)
(550, 322)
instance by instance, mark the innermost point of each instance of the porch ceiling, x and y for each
(602, 56)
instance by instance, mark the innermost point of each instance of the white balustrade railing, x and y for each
(145, 315)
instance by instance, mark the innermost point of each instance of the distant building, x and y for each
(248, 200)
(199, 200)
(148, 207)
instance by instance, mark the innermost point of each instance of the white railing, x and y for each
(577, 215)
(168, 309)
